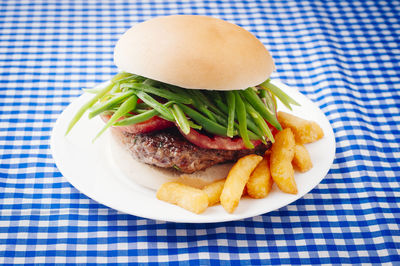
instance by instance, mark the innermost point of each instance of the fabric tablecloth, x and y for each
(343, 55)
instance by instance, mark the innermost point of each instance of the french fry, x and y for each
(213, 191)
(236, 180)
(301, 160)
(304, 131)
(244, 191)
(282, 153)
(260, 181)
(189, 198)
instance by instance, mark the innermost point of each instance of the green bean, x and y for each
(221, 105)
(195, 126)
(274, 101)
(203, 98)
(130, 78)
(262, 93)
(241, 115)
(166, 118)
(220, 117)
(219, 101)
(155, 105)
(180, 119)
(115, 89)
(177, 90)
(151, 82)
(253, 129)
(110, 103)
(215, 95)
(207, 112)
(268, 100)
(127, 106)
(142, 106)
(141, 111)
(86, 106)
(230, 96)
(206, 123)
(197, 102)
(282, 96)
(223, 120)
(251, 96)
(127, 114)
(259, 120)
(199, 96)
(143, 115)
(137, 118)
(169, 95)
(258, 134)
(254, 136)
(120, 76)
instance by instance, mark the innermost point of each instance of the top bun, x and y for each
(194, 52)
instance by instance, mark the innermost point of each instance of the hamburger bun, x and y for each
(194, 52)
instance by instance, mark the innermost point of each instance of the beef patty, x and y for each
(169, 149)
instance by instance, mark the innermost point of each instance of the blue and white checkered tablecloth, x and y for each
(344, 55)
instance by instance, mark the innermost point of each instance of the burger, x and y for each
(192, 92)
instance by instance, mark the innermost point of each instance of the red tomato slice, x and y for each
(154, 123)
(272, 128)
(217, 142)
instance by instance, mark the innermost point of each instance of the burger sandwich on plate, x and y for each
(193, 92)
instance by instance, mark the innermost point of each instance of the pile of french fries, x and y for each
(253, 175)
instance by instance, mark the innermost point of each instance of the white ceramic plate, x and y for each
(89, 168)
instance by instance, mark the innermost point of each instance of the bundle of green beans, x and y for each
(225, 113)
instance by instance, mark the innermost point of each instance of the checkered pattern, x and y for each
(344, 55)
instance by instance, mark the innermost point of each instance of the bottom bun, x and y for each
(153, 177)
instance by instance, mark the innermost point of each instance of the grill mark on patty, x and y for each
(169, 149)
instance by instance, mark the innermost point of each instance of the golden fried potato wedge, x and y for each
(301, 160)
(213, 191)
(282, 153)
(189, 198)
(260, 181)
(236, 181)
(304, 131)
